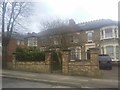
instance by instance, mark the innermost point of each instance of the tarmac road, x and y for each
(18, 83)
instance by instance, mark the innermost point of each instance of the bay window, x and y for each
(110, 51)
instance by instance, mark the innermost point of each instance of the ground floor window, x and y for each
(75, 53)
(117, 52)
(110, 51)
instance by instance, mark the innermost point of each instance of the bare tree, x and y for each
(11, 12)
(47, 25)
(59, 27)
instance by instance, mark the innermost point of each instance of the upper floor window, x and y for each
(75, 38)
(32, 41)
(109, 32)
(89, 36)
(116, 32)
(56, 41)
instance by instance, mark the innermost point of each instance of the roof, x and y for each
(60, 30)
(97, 24)
(33, 34)
(92, 25)
(18, 36)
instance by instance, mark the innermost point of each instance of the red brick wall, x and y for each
(11, 48)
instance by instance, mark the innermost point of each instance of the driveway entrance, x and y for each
(56, 64)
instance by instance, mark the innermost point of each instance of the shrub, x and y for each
(30, 54)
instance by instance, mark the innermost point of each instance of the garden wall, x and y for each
(83, 68)
(42, 66)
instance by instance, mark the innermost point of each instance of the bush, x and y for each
(30, 54)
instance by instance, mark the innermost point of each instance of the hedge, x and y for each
(23, 54)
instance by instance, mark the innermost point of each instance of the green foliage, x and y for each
(29, 54)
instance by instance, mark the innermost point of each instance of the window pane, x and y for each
(110, 51)
(75, 54)
(108, 32)
(89, 36)
(117, 52)
(116, 34)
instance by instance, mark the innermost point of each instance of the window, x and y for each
(42, 48)
(102, 50)
(110, 51)
(117, 52)
(22, 42)
(18, 42)
(55, 41)
(116, 32)
(102, 34)
(75, 39)
(75, 53)
(108, 33)
(89, 36)
(32, 41)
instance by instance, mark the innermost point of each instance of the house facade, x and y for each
(79, 38)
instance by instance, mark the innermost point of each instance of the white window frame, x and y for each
(75, 52)
(89, 32)
(114, 46)
(103, 36)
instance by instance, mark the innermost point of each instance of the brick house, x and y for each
(17, 40)
(102, 34)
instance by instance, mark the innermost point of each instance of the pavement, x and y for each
(59, 79)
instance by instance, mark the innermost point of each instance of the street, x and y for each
(109, 80)
(19, 83)
(111, 74)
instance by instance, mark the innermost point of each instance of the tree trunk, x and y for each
(4, 56)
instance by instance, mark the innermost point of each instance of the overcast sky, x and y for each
(79, 10)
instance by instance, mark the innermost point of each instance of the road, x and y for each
(111, 74)
(19, 83)
(94, 83)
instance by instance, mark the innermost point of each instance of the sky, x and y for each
(79, 10)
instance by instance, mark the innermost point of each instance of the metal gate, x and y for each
(56, 64)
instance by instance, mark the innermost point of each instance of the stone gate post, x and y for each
(65, 61)
(48, 60)
(94, 52)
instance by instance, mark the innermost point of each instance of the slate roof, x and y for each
(97, 24)
(92, 25)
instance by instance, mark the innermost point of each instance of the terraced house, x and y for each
(78, 38)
